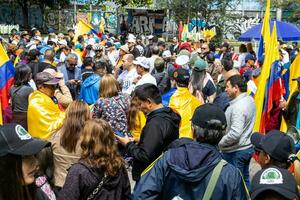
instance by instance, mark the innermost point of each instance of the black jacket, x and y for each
(162, 128)
(83, 179)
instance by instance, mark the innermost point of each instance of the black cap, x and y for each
(14, 139)
(275, 179)
(275, 143)
(209, 116)
(109, 44)
(181, 76)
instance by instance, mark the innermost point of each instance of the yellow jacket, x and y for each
(185, 104)
(44, 116)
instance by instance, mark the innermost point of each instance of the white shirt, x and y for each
(125, 79)
(147, 78)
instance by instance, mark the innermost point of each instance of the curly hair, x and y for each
(99, 148)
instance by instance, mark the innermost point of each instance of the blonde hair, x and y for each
(109, 86)
(99, 148)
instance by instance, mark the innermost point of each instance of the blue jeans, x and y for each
(241, 160)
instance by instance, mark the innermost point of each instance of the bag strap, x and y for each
(97, 189)
(213, 180)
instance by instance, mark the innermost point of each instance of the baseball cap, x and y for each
(54, 73)
(14, 139)
(45, 78)
(142, 61)
(109, 44)
(209, 116)
(181, 76)
(200, 65)
(167, 54)
(131, 40)
(182, 60)
(62, 42)
(274, 179)
(24, 33)
(249, 56)
(125, 48)
(275, 143)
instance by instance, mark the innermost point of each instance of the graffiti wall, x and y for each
(150, 22)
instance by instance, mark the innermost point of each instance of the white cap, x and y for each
(182, 60)
(142, 61)
(150, 37)
(131, 36)
(131, 40)
(53, 40)
(167, 54)
(38, 38)
(63, 42)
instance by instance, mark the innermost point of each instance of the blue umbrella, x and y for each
(285, 32)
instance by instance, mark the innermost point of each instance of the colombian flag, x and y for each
(7, 72)
(83, 27)
(272, 55)
(265, 33)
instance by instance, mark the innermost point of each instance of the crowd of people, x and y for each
(179, 116)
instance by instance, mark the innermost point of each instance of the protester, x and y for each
(201, 84)
(34, 57)
(48, 60)
(112, 106)
(249, 66)
(128, 74)
(160, 75)
(18, 162)
(154, 56)
(87, 70)
(172, 177)
(65, 141)
(274, 183)
(236, 145)
(62, 92)
(242, 56)
(19, 94)
(162, 128)
(143, 70)
(44, 115)
(72, 74)
(100, 172)
(183, 102)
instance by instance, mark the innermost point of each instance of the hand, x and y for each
(124, 140)
(283, 104)
(72, 82)
(136, 79)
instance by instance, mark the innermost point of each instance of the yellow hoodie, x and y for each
(44, 116)
(185, 104)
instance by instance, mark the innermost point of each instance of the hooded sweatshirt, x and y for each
(183, 172)
(82, 179)
(162, 128)
(89, 91)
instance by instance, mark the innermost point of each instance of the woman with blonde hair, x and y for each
(100, 173)
(65, 142)
(112, 106)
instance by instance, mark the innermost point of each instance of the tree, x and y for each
(134, 3)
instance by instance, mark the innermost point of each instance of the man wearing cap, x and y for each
(128, 74)
(240, 114)
(274, 183)
(44, 115)
(142, 68)
(187, 168)
(273, 149)
(183, 102)
(132, 49)
(25, 38)
(123, 50)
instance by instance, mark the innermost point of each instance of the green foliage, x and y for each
(134, 3)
